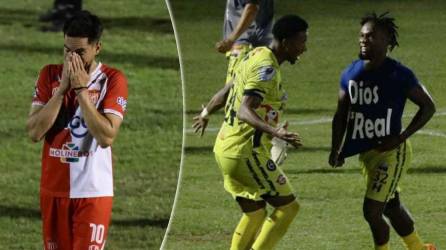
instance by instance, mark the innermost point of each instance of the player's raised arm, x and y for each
(339, 126)
(46, 105)
(249, 14)
(103, 127)
(217, 102)
(248, 114)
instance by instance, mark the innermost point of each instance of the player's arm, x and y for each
(217, 102)
(248, 16)
(339, 126)
(42, 118)
(103, 127)
(426, 109)
(247, 114)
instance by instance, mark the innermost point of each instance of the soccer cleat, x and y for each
(429, 246)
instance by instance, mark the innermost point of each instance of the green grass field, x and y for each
(331, 213)
(139, 40)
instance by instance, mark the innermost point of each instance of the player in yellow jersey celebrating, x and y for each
(253, 105)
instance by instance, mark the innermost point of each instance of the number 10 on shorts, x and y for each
(97, 236)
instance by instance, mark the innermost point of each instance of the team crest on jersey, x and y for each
(270, 165)
(94, 95)
(266, 73)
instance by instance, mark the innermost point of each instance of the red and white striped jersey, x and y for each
(73, 163)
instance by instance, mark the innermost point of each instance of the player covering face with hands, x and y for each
(253, 103)
(77, 110)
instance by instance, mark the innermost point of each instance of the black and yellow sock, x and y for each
(383, 247)
(413, 241)
(247, 229)
(275, 226)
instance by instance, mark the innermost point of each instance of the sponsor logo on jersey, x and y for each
(270, 165)
(266, 73)
(121, 101)
(281, 179)
(364, 127)
(78, 127)
(69, 153)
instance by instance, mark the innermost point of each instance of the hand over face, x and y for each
(79, 77)
(65, 80)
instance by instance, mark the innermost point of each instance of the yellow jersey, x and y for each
(257, 74)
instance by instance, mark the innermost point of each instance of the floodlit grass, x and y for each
(138, 39)
(331, 213)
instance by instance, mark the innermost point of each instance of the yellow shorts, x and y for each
(253, 177)
(383, 170)
(234, 56)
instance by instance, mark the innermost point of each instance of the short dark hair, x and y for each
(288, 26)
(84, 24)
(386, 23)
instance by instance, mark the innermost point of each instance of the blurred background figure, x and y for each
(62, 10)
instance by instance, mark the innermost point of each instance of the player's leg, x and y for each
(399, 215)
(279, 194)
(56, 223)
(91, 219)
(277, 224)
(373, 214)
(382, 171)
(240, 181)
(254, 213)
(403, 223)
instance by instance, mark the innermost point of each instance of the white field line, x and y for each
(326, 119)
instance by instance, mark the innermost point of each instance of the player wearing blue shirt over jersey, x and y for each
(367, 122)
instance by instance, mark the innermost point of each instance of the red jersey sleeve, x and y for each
(42, 91)
(115, 100)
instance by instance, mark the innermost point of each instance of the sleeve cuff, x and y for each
(114, 112)
(254, 92)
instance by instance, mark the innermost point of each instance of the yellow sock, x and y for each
(275, 226)
(383, 247)
(413, 241)
(247, 229)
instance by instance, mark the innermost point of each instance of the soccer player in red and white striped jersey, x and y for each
(77, 109)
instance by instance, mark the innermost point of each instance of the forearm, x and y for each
(98, 125)
(248, 16)
(41, 121)
(248, 115)
(218, 101)
(339, 126)
(420, 119)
